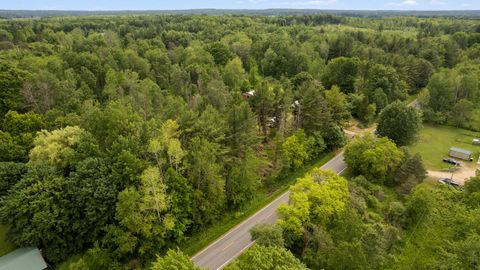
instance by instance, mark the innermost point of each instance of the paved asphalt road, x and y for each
(233, 243)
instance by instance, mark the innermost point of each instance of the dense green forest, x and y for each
(123, 136)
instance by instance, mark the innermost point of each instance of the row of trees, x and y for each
(452, 96)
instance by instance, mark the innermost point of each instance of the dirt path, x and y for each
(459, 176)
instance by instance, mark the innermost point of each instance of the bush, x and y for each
(267, 235)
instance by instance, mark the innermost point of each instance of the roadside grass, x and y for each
(411, 98)
(264, 196)
(5, 246)
(434, 143)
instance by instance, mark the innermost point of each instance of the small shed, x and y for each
(26, 258)
(476, 141)
(460, 153)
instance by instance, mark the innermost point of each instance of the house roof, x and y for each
(460, 150)
(27, 258)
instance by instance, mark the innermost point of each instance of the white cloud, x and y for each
(403, 3)
(438, 2)
(410, 3)
(309, 3)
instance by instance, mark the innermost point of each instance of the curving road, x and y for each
(234, 242)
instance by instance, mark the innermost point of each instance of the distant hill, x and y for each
(266, 12)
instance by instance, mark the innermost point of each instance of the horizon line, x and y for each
(245, 9)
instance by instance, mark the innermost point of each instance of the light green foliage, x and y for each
(337, 103)
(145, 216)
(295, 150)
(166, 146)
(56, 148)
(317, 198)
(260, 257)
(376, 159)
(234, 74)
(154, 199)
(174, 260)
(267, 235)
(17, 134)
(144, 212)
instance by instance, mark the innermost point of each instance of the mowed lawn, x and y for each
(5, 247)
(434, 143)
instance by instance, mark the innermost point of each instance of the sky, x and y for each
(240, 4)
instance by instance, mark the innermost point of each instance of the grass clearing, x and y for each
(264, 196)
(5, 246)
(434, 143)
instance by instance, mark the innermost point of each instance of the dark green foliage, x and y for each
(10, 174)
(243, 180)
(334, 137)
(204, 175)
(17, 134)
(220, 52)
(11, 80)
(341, 72)
(314, 114)
(180, 193)
(410, 173)
(399, 122)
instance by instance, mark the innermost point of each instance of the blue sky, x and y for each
(239, 4)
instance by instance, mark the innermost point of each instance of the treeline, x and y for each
(125, 135)
(8, 14)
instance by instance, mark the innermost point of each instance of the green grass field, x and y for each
(5, 247)
(434, 143)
